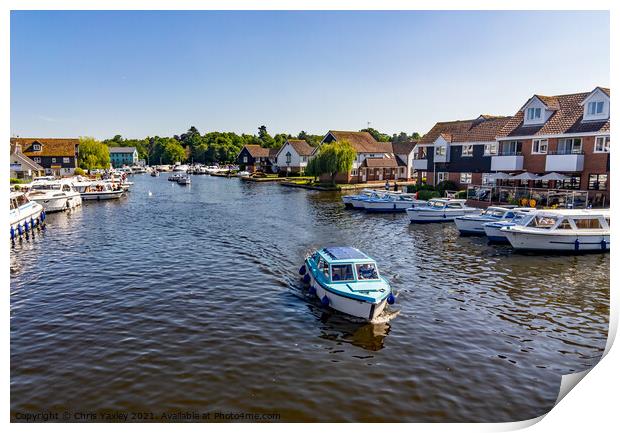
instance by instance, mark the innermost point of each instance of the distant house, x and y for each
(253, 158)
(293, 156)
(375, 161)
(121, 156)
(57, 156)
(23, 167)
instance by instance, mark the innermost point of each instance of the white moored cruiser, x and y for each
(439, 210)
(392, 202)
(474, 224)
(24, 214)
(493, 229)
(100, 191)
(347, 199)
(54, 195)
(562, 230)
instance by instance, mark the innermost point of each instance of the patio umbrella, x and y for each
(499, 176)
(554, 176)
(525, 176)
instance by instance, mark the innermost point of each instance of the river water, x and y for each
(188, 299)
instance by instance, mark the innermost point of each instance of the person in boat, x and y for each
(367, 272)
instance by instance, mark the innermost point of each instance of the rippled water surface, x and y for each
(189, 299)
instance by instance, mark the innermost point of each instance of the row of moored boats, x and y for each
(574, 230)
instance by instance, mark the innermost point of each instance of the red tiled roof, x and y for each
(566, 119)
(362, 142)
(301, 147)
(383, 163)
(49, 146)
(257, 151)
(483, 128)
(404, 147)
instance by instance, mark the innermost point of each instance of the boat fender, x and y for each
(26, 226)
(312, 290)
(576, 244)
(19, 229)
(302, 270)
(307, 278)
(12, 233)
(43, 215)
(325, 300)
(603, 244)
(391, 299)
(31, 222)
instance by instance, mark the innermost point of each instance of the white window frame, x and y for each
(65, 160)
(440, 151)
(442, 176)
(605, 141)
(36, 147)
(245, 159)
(465, 178)
(491, 149)
(537, 145)
(354, 172)
(596, 107)
(572, 145)
(37, 159)
(534, 113)
(53, 160)
(288, 157)
(470, 152)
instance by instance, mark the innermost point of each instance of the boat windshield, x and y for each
(543, 222)
(436, 204)
(342, 273)
(367, 271)
(45, 186)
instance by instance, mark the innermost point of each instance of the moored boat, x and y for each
(347, 280)
(474, 224)
(154, 173)
(493, 229)
(391, 202)
(184, 180)
(440, 210)
(101, 191)
(348, 199)
(576, 230)
(24, 215)
(54, 196)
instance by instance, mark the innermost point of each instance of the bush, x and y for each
(79, 172)
(427, 195)
(14, 180)
(446, 185)
(461, 194)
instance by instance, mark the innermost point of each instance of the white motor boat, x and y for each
(347, 280)
(184, 180)
(174, 177)
(348, 199)
(54, 196)
(154, 173)
(243, 173)
(101, 191)
(359, 202)
(182, 167)
(474, 224)
(24, 215)
(391, 202)
(440, 210)
(493, 229)
(575, 230)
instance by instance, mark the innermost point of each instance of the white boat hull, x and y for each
(26, 214)
(494, 234)
(388, 206)
(557, 242)
(357, 203)
(421, 215)
(102, 195)
(58, 204)
(471, 226)
(352, 307)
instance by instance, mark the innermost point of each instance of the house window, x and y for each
(53, 159)
(441, 176)
(288, 157)
(466, 178)
(245, 159)
(573, 182)
(511, 148)
(487, 179)
(601, 145)
(354, 172)
(467, 150)
(36, 147)
(423, 176)
(595, 107)
(304, 159)
(568, 146)
(490, 149)
(533, 113)
(597, 182)
(440, 150)
(540, 147)
(37, 159)
(65, 160)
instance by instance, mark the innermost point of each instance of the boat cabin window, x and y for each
(316, 257)
(564, 225)
(66, 188)
(437, 204)
(21, 200)
(588, 223)
(454, 206)
(543, 222)
(13, 203)
(323, 267)
(367, 271)
(342, 273)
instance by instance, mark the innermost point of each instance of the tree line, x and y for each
(208, 148)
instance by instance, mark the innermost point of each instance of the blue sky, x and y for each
(140, 73)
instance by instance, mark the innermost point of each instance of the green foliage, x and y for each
(461, 194)
(403, 137)
(333, 158)
(427, 194)
(79, 172)
(446, 185)
(377, 135)
(93, 154)
(14, 180)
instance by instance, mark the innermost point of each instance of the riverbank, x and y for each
(344, 186)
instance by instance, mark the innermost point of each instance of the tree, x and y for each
(312, 168)
(265, 139)
(173, 151)
(376, 134)
(333, 158)
(93, 154)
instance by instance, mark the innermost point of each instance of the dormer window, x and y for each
(440, 150)
(36, 147)
(596, 107)
(534, 113)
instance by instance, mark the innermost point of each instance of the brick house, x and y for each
(57, 156)
(254, 158)
(568, 134)
(375, 161)
(23, 167)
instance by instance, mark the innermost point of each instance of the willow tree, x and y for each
(93, 154)
(333, 158)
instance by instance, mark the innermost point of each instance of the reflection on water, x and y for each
(179, 298)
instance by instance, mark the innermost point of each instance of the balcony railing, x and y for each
(510, 153)
(565, 152)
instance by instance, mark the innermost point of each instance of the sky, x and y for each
(147, 73)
